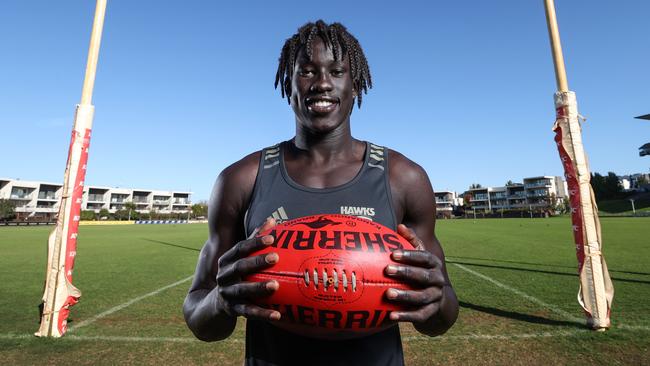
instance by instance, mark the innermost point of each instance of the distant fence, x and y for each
(103, 222)
(155, 222)
(27, 223)
(107, 222)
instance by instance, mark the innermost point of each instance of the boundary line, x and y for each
(126, 304)
(560, 333)
(532, 299)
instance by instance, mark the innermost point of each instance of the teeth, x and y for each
(322, 103)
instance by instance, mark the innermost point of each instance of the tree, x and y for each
(606, 187)
(598, 185)
(200, 209)
(475, 185)
(7, 210)
(641, 180)
(467, 198)
(509, 183)
(613, 185)
(104, 213)
(87, 215)
(130, 208)
(121, 215)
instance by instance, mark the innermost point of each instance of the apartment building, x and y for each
(541, 190)
(41, 200)
(445, 203)
(534, 192)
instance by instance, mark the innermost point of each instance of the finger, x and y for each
(248, 290)
(255, 312)
(420, 298)
(268, 224)
(418, 316)
(245, 266)
(424, 277)
(420, 258)
(245, 248)
(409, 234)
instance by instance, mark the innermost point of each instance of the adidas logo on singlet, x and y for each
(280, 215)
(363, 212)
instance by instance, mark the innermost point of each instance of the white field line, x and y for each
(522, 294)
(555, 334)
(126, 304)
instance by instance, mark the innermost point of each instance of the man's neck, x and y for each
(327, 146)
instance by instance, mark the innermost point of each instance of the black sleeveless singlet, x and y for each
(277, 195)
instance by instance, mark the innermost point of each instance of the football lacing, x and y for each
(326, 280)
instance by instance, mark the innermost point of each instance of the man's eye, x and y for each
(306, 72)
(338, 72)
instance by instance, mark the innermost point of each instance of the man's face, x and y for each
(322, 94)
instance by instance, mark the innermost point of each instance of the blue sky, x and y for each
(183, 89)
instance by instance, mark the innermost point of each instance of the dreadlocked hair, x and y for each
(339, 40)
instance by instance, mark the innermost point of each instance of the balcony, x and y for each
(25, 208)
(140, 199)
(160, 202)
(26, 197)
(517, 195)
(538, 183)
(47, 196)
(181, 201)
(95, 198)
(47, 209)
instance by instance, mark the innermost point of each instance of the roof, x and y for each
(645, 146)
(645, 116)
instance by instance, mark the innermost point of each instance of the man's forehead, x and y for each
(318, 45)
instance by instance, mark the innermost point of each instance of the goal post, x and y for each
(596, 291)
(59, 293)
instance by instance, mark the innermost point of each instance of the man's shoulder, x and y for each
(243, 167)
(244, 171)
(240, 175)
(403, 170)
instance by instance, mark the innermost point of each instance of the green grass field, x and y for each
(515, 278)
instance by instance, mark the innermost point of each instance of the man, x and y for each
(323, 169)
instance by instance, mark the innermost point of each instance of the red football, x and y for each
(331, 275)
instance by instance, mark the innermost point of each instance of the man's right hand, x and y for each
(233, 293)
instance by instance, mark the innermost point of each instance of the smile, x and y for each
(321, 104)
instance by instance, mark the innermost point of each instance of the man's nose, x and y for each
(322, 84)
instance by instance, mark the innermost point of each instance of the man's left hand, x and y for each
(423, 272)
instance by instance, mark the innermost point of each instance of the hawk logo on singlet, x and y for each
(363, 212)
(280, 215)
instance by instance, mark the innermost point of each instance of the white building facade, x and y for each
(40, 200)
(534, 192)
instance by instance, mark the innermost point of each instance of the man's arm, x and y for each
(217, 295)
(435, 299)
